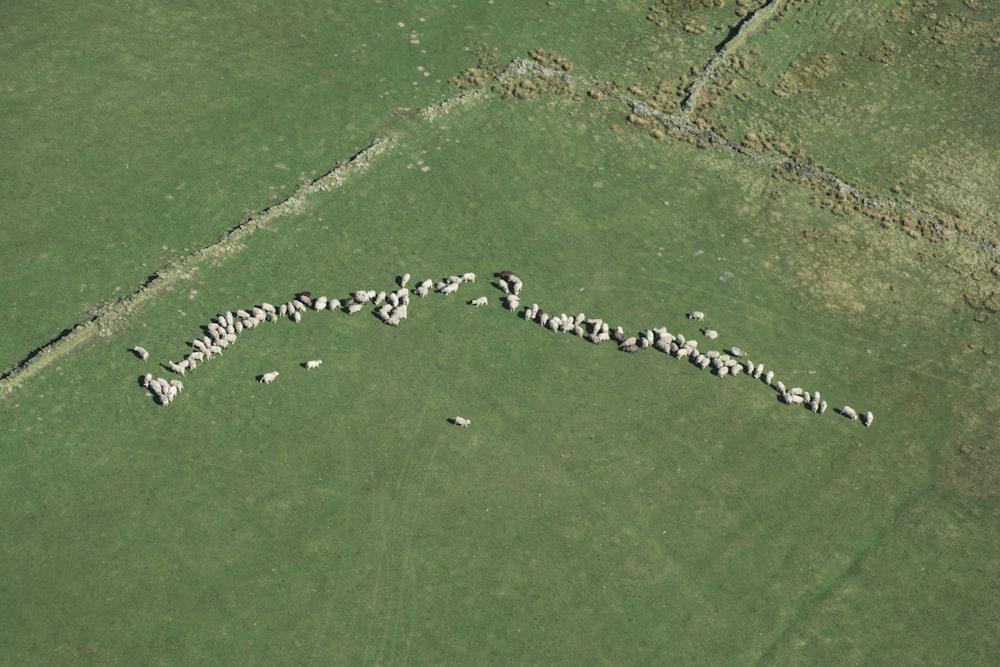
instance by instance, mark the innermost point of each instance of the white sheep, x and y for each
(141, 352)
(461, 421)
(320, 303)
(468, 277)
(710, 334)
(867, 419)
(313, 363)
(355, 308)
(696, 315)
(479, 301)
(268, 378)
(403, 279)
(849, 412)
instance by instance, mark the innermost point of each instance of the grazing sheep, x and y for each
(512, 302)
(403, 279)
(355, 308)
(768, 377)
(178, 368)
(268, 308)
(822, 407)
(379, 298)
(849, 412)
(421, 291)
(696, 315)
(141, 352)
(468, 277)
(461, 421)
(710, 334)
(867, 419)
(449, 288)
(503, 285)
(268, 378)
(313, 363)
(320, 303)
(479, 301)
(737, 352)
(304, 299)
(334, 304)
(146, 379)
(297, 316)
(780, 386)
(758, 371)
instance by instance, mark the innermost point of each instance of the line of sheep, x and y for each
(722, 363)
(390, 307)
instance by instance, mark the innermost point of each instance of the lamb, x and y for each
(268, 378)
(462, 421)
(141, 352)
(479, 301)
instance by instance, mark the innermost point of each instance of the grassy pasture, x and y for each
(902, 93)
(602, 508)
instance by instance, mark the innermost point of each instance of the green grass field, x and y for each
(602, 508)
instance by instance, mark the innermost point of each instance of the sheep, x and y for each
(748, 367)
(403, 279)
(478, 301)
(268, 308)
(268, 378)
(512, 302)
(696, 315)
(297, 316)
(360, 296)
(768, 377)
(737, 352)
(421, 291)
(379, 298)
(515, 285)
(141, 352)
(146, 379)
(867, 419)
(710, 334)
(304, 299)
(849, 412)
(214, 349)
(822, 407)
(461, 421)
(355, 308)
(178, 385)
(722, 371)
(399, 312)
(449, 288)
(796, 391)
(758, 371)
(503, 285)
(313, 363)
(780, 386)
(333, 304)
(468, 277)
(320, 303)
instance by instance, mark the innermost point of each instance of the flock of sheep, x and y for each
(391, 308)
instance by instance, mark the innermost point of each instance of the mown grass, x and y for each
(602, 507)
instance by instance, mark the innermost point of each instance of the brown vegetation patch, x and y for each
(803, 75)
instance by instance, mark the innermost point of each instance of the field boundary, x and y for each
(741, 34)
